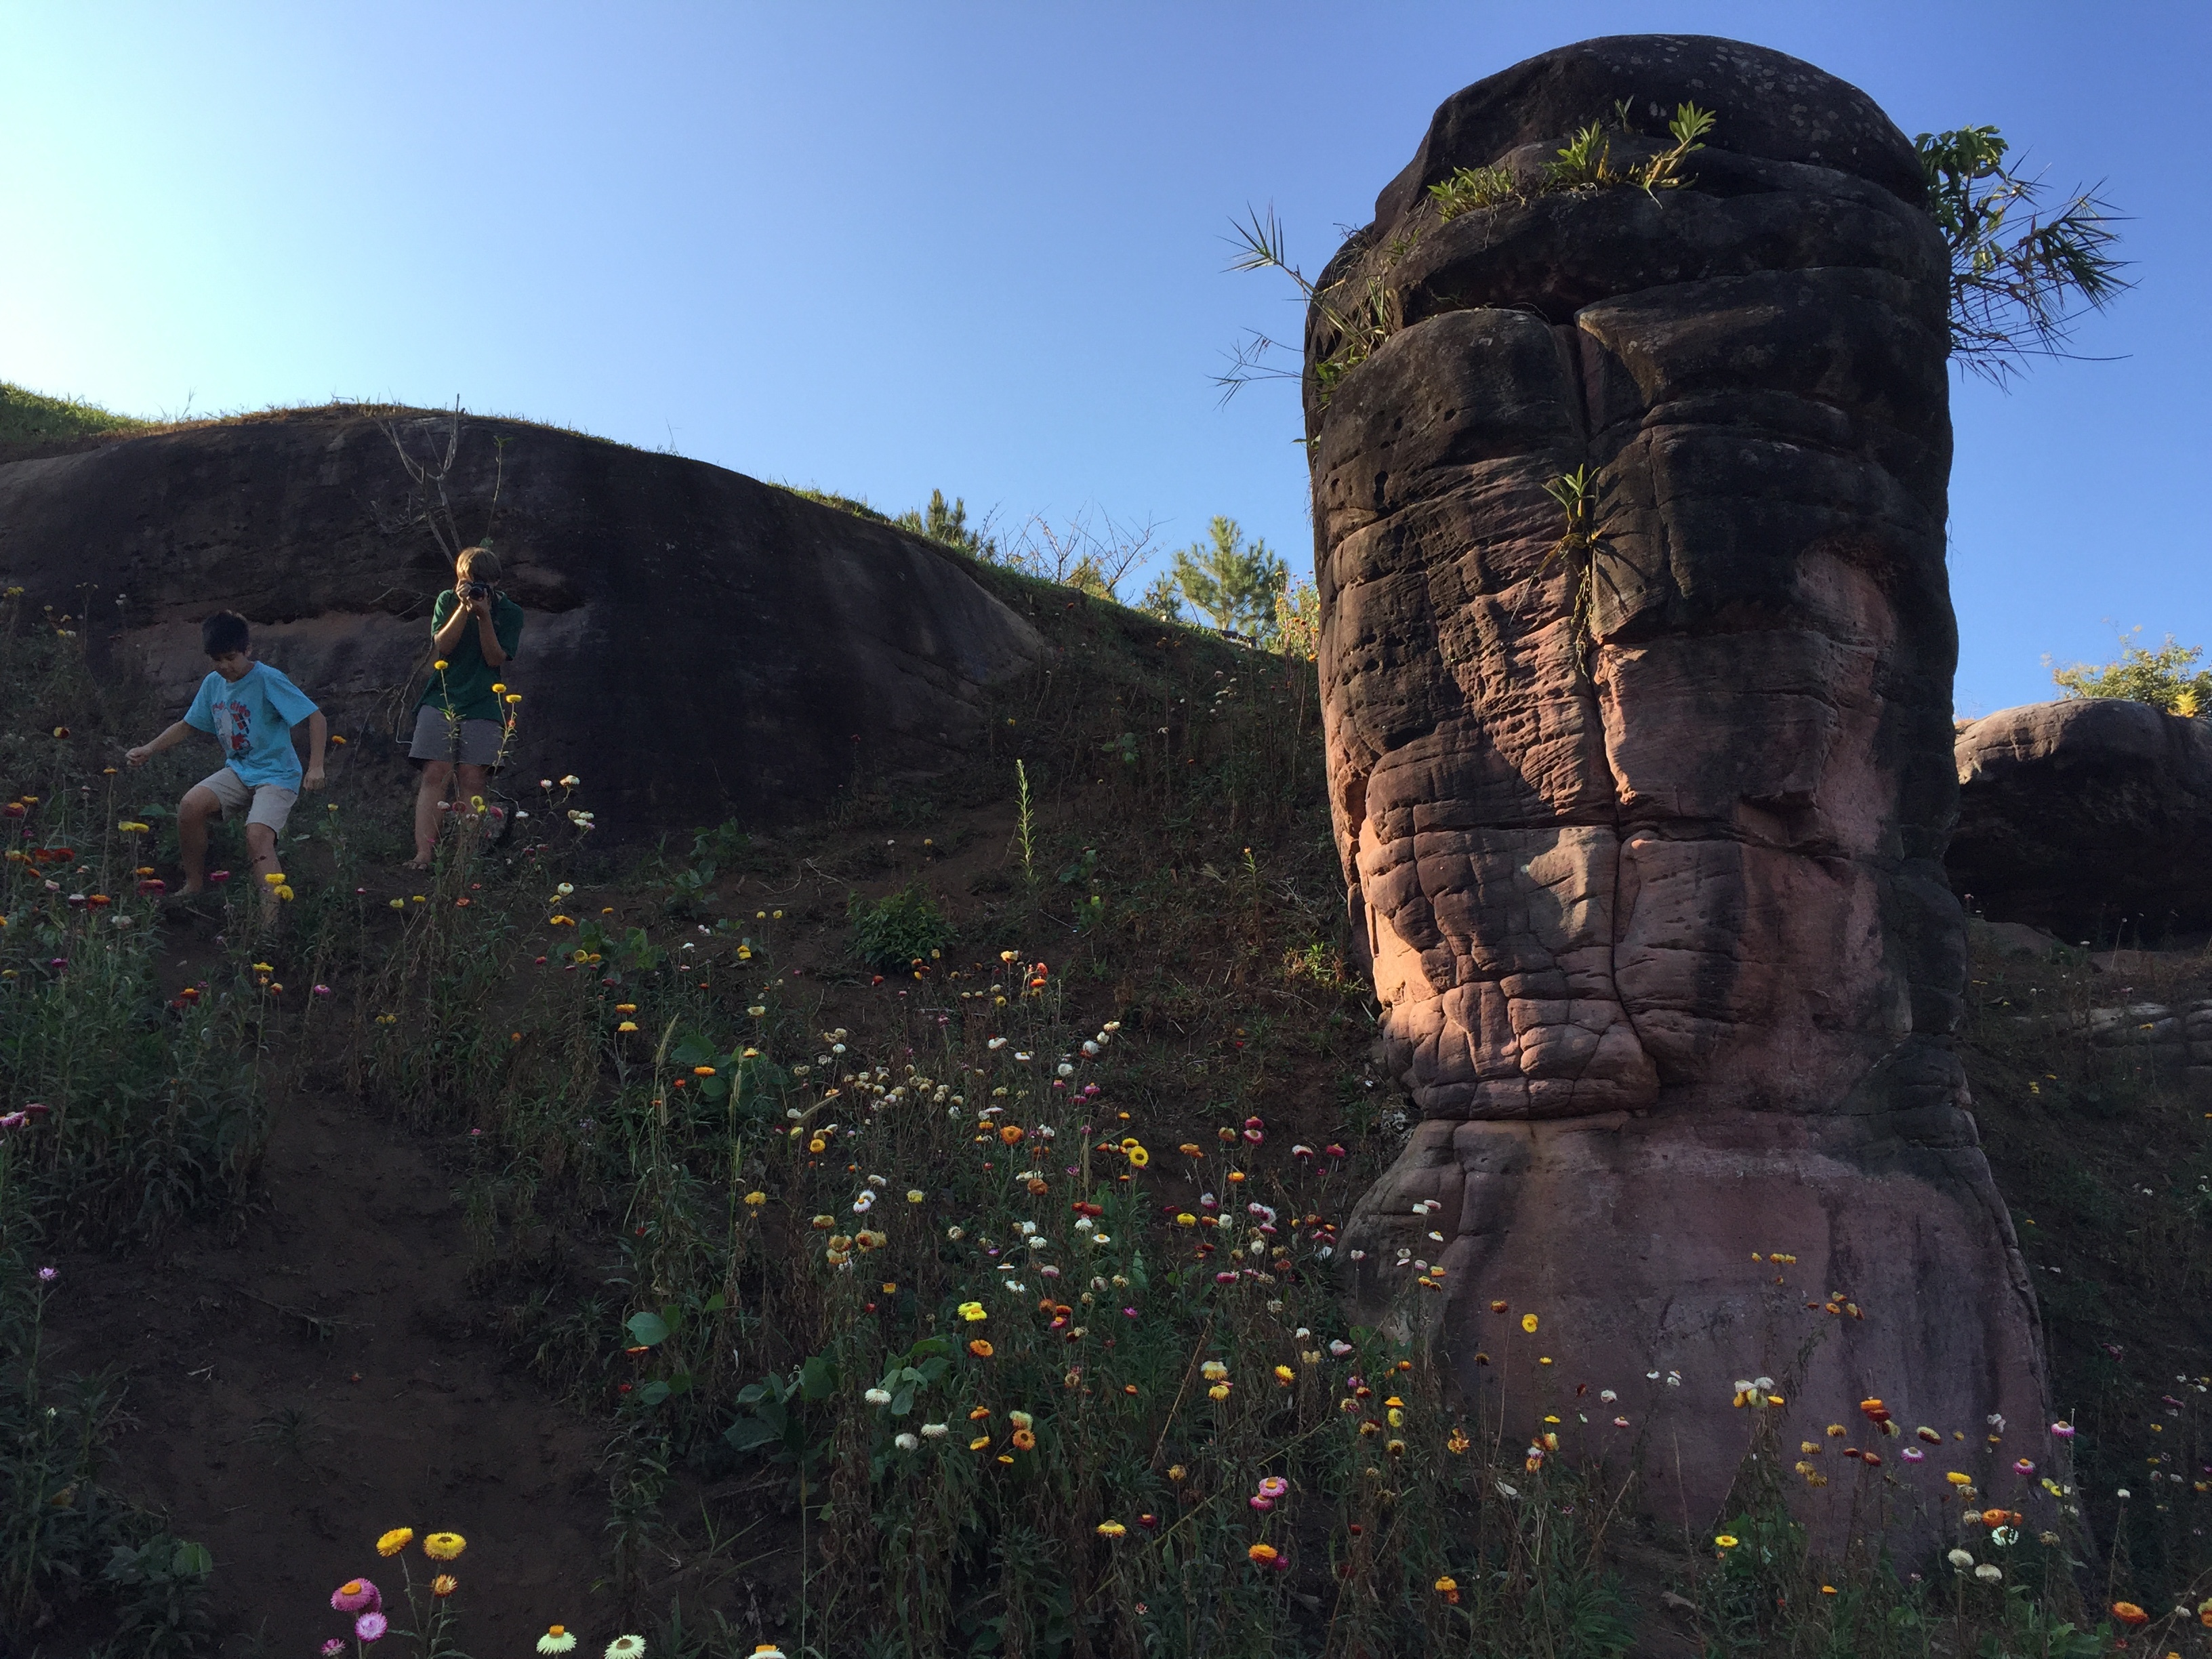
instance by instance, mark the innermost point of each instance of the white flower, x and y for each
(907, 1443)
(879, 1181)
(1960, 1559)
(933, 1431)
(1102, 1238)
(1084, 1225)
(1608, 1396)
(1013, 1285)
(1025, 1228)
(1090, 1049)
(1359, 1255)
(996, 1043)
(1989, 1573)
(1018, 1054)
(877, 1396)
(1673, 1379)
(864, 1203)
(1507, 1491)
(1339, 1347)
(1064, 1069)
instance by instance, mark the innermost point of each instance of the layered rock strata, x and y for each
(1643, 832)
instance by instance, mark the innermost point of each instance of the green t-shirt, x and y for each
(464, 691)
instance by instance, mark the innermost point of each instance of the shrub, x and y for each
(2160, 677)
(894, 931)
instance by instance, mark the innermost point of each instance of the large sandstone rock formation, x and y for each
(2090, 816)
(1659, 920)
(697, 645)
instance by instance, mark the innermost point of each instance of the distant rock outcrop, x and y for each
(1643, 837)
(698, 646)
(2090, 816)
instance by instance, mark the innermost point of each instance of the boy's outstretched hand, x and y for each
(313, 779)
(141, 755)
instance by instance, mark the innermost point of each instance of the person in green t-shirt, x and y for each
(461, 724)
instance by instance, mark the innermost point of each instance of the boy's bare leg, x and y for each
(437, 775)
(261, 843)
(198, 805)
(473, 779)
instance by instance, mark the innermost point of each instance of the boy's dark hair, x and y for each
(224, 632)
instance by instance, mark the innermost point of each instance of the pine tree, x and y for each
(1231, 584)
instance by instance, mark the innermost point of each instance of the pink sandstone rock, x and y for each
(1659, 923)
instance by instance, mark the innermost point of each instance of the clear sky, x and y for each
(885, 247)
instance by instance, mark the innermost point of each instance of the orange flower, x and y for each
(1024, 1440)
(444, 1585)
(980, 1348)
(2129, 1613)
(1448, 1586)
(1263, 1554)
(1012, 1134)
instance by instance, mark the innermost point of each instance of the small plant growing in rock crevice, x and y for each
(893, 932)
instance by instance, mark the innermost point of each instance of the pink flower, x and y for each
(1225, 1279)
(370, 1627)
(1261, 1504)
(1913, 1454)
(333, 1648)
(218, 876)
(2023, 1466)
(1274, 1486)
(356, 1596)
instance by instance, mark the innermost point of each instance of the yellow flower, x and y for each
(1139, 1158)
(444, 1585)
(974, 1312)
(438, 667)
(1459, 1442)
(395, 1541)
(284, 893)
(1727, 1540)
(276, 878)
(399, 904)
(497, 687)
(1112, 1529)
(444, 1546)
(1285, 1376)
(627, 1025)
(1958, 1479)
(979, 1443)
(756, 1200)
(515, 697)
(1218, 1391)
(1528, 1323)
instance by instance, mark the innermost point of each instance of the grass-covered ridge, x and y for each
(32, 417)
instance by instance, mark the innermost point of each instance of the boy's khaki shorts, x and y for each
(261, 802)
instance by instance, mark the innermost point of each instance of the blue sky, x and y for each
(879, 248)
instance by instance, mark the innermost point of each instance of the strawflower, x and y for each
(626, 1647)
(444, 1546)
(395, 1541)
(356, 1595)
(369, 1627)
(556, 1639)
(444, 1585)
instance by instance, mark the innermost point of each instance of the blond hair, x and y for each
(476, 564)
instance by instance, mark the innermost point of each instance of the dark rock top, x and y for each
(2089, 817)
(697, 646)
(1772, 106)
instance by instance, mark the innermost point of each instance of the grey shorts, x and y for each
(261, 802)
(440, 736)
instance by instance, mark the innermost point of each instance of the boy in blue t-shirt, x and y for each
(250, 709)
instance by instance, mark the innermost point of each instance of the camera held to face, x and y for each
(470, 591)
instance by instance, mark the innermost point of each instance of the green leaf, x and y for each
(903, 1401)
(654, 1394)
(749, 1434)
(647, 1329)
(192, 1560)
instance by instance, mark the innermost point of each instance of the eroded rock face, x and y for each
(698, 646)
(2090, 816)
(1655, 906)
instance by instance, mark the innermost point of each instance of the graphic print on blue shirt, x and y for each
(251, 718)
